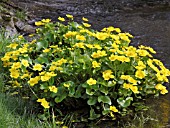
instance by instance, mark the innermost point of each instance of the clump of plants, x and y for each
(66, 64)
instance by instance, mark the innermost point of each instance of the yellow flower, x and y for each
(140, 66)
(16, 65)
(110, 29)
(164, 91)
(22, 50)
(52, 68)
(140, 74)
(128, 34)
(31, 35)
(24, 76)
(134, 89)
(125, 77)
(20, 37)
(33, 41)
(124, 37)
(123, 59)
(5, 58)
(46, 50)
(39, 23)
(150, 63)
(66, 85)
(89, 45)
(37, 67)
(70, 34)
(6, 64)
(44, 103)
(101, 35)
(46, 20)
(117, 30)
(60, 62)
(115, 37)
(95, 64)
(79, 37)
(95, 55)
(86, 25)
(16, 84)
(107, 74)
(142, 52)
(53, 89)
(133, 81)
(127, 86)
(113, 57)
(101, 53)
(69, 16)
(42, 73)
(79, 45)
(25, 62)
(159, 87)
(46, 77)
(61, 19)
(85, 19)
(162, 88)
(91, 81)
(130, 53)
(113, 108)
(13, 45)
(97, 46)
(14, 74)
(151, 50)
(33, 81)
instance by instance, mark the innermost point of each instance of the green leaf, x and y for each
(89, 91)
(93, 115)
(104, 89)
(104, 112)
(92, 101)
(41, 44)
(113, 95)
(125, 102)
(124, 92)
(104, 99)
(42, 59)
(85, 85)
(60, 98)
(61, 94)
(123, 67)
(51, 81)
(78, 91)
(71, 88)
(111, 84)
(43, 86)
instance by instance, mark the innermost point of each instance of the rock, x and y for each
(28, 29)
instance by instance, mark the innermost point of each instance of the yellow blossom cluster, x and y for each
(68, 57)
(44, 103)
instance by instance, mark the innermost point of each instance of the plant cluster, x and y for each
(72, 62)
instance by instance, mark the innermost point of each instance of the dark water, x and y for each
(148, 22)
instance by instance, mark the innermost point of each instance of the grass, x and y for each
(16, 113)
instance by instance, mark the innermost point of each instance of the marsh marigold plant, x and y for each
(72, 61)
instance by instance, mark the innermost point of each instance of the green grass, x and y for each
(14, 114)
